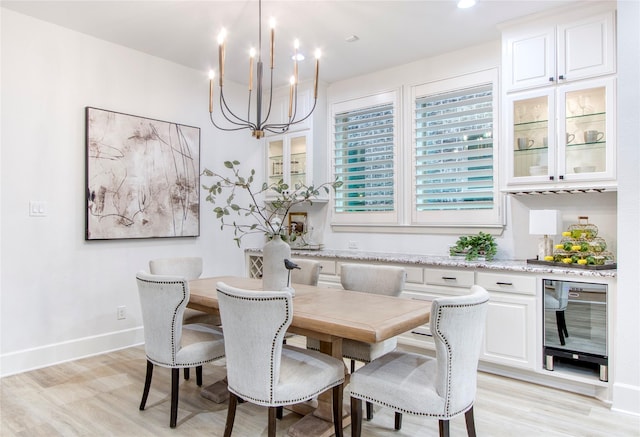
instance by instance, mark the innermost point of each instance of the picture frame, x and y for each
(297, 223)
(142, 177)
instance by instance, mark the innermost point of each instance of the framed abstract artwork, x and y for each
(142, 177)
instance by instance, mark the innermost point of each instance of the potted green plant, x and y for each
(473, 247)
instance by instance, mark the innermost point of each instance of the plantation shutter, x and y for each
(454, 150)
(364, 159)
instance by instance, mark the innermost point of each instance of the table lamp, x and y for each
(544, 222)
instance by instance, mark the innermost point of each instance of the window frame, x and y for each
(458, 218)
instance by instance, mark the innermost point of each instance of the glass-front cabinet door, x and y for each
(562, 135)
(532, 139)
(287, 158)
(586, 111)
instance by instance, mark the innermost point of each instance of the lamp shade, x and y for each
(544, 222)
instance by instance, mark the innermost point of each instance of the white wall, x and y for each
(626, 389)
(59, 293)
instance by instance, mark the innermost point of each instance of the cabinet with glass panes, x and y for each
(562, 135)
(287, 158)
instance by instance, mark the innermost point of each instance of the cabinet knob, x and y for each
(550, 178)
(561, 177)
(561, 77)
(551, 79)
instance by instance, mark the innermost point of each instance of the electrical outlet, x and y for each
(353, 244)
(122, 312)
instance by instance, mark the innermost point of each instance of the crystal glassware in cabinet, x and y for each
(585, 125)
(275, 166)
(531, 135)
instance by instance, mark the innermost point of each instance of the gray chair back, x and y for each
(457, 325)
(387, 280)
(255, 323)
(309, 272)
(162, 300)
(189, 267)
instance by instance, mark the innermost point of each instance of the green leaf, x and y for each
(228, 164)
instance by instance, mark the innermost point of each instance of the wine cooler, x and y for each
(575, 324)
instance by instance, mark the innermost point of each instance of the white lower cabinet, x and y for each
(510, 330)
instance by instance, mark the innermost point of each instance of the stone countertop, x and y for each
(445, 261)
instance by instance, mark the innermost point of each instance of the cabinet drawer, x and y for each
(507, 283)
(449, 278)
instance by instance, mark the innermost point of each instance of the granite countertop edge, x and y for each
(445, 261)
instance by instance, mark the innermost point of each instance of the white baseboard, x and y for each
(626, 399)
(44, 356)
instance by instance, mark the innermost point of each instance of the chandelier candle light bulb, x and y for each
(272, 45)
(221, 38)
(252, 54)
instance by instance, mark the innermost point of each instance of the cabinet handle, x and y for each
(505, 283)
(551, 79)
(561, 77)
(550, 178)
(449, 278)
(561, 177)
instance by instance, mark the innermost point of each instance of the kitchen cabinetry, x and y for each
(511, 325)
(562, 135)
(513, 343)
(537, 54)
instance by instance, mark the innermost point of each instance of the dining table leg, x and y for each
(319, 423)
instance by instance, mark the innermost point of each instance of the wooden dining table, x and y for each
(329, 315)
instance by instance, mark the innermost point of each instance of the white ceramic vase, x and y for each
(274, 274)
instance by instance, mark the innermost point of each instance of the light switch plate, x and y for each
(37, 208)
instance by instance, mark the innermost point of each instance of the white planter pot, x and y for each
(274, 273)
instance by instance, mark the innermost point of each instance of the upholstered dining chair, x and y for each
(190, 267)
(441, 387)
(169, 343)
(386, 280)
(308, 273)
(263, 371)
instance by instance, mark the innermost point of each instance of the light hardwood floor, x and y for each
(99, 396)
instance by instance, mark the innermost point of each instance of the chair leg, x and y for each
(175, 384)
(147, 384)
(443, 426)
(186, 373)
(353, 366)
(199, 376)
(398, 424)
(471, 426)
(563, 321)
(337, 410)
(356, 417)
(231, 414)
(559, 315)
(369, 410)
(279, 412)
(271, 431)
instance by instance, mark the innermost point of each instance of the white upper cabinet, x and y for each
(537, 54)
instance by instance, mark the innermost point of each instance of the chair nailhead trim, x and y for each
(447, 413)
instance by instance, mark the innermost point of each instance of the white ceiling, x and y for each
(391, 32)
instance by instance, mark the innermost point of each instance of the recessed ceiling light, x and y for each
(464, 4)
(352, 38)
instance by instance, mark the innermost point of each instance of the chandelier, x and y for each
(259, 125)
